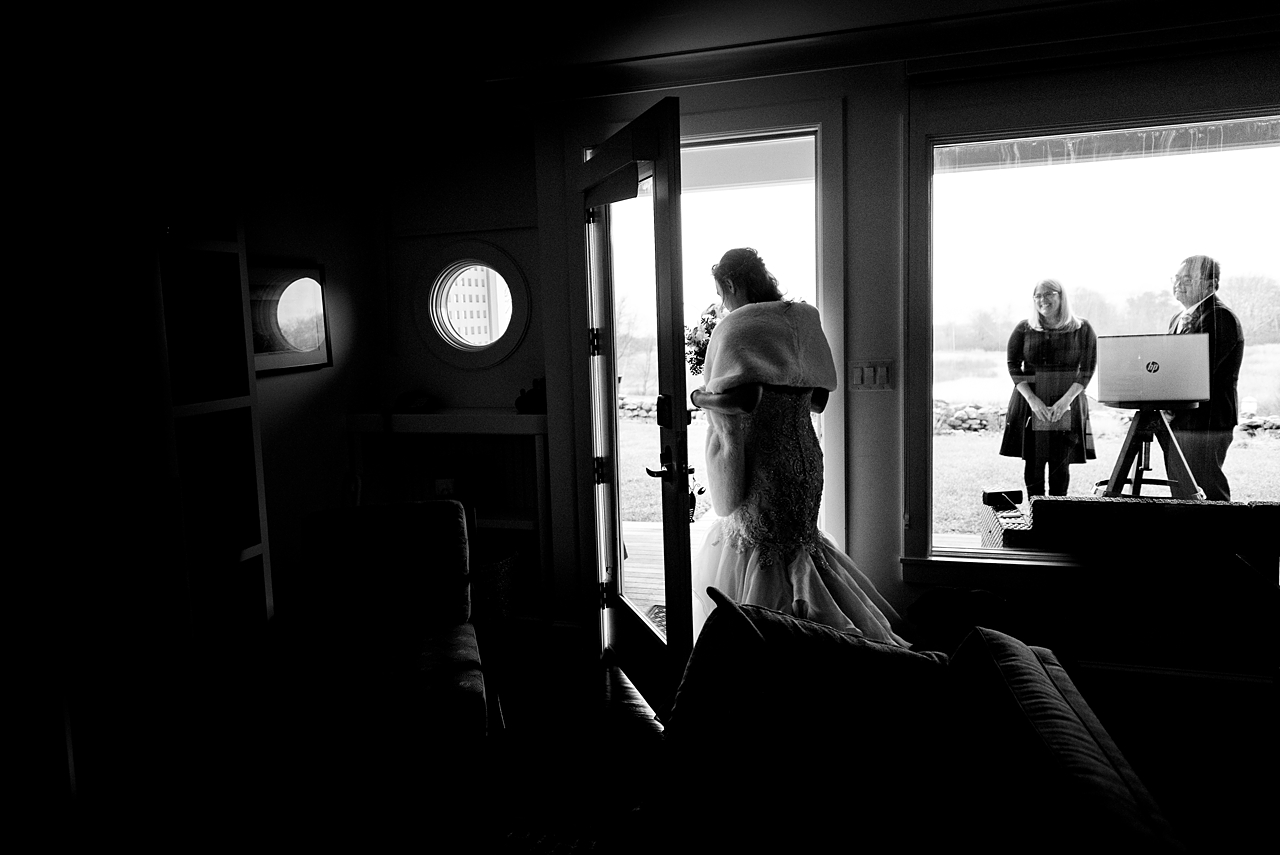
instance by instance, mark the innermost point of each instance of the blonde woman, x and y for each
(1051, 356)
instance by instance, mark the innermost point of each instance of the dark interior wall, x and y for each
(378, 206)
(460, 184)
(466, 179)
(414, 370)
(303, 413)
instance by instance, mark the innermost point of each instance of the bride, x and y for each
(768, 365)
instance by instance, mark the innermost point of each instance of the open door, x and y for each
(641, 463)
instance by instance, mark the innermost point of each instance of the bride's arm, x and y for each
(819, 401)
(735, 401)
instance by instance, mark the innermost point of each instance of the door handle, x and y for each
(668, 468)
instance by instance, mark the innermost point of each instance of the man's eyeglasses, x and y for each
(1183, 278)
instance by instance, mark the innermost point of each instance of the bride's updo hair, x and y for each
(745, 268)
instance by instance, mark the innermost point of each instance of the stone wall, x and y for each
(967, 417)
(948, 417)
(1261, 426)
(637, 407)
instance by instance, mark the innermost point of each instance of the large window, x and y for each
(1110, 215)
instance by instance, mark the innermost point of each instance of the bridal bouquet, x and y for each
(697, 336)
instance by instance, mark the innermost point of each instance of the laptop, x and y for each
(1149, 372)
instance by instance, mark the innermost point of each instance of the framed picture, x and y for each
(290, 326)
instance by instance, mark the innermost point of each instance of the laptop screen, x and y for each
(1153, 371)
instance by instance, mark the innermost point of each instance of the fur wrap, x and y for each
(777, 343)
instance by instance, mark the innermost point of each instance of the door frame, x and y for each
(826, 117)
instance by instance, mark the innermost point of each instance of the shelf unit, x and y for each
(216, 449)
(493, 461)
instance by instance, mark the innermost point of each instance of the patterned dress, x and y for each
(1050, 362)
(768, 550)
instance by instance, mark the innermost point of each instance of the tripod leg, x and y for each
(1128, 451)
(1185, 486)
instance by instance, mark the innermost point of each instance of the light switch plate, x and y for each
(871, 376)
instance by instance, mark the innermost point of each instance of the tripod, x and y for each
(1149, 424)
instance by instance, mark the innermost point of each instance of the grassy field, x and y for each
(965, 464)
(638, 449)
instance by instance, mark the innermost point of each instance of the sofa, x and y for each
(788, 735)
(378, 668)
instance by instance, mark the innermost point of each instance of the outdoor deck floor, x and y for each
(643, 581)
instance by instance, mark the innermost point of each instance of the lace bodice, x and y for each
(784, 476)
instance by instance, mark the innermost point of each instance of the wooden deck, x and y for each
(642, 572)
(643, 581)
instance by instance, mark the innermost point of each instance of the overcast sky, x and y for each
(777, 220)
(1119, 227)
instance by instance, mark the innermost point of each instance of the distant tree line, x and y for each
(635, 352)
(1254, 299)
(304, 333)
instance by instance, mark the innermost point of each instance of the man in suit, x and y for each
(1204, 433)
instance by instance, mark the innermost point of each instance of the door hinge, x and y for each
(594, 341)
(608, 592)
(598, 471)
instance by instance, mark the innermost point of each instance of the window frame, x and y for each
(268, 280)
(824, 119)
(427, 304)
(953, 109)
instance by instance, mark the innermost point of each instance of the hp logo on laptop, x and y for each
(1153, 367)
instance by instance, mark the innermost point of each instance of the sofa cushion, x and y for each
(451, 684)
(751, 655)
(785, 731)
(1043, 772)
(387, 572)
(722, 672)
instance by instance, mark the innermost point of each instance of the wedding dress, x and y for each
(765, 475)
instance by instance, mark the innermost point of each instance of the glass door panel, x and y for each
(642, 581)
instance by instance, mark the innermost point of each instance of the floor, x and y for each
(573, 761)
(643, 581)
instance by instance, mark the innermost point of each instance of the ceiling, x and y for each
(679, 42)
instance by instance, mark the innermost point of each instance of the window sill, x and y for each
(989, 568)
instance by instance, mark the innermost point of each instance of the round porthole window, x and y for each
(472, 306)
